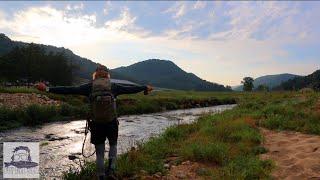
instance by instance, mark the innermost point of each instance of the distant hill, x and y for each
(166, 74)
(160, 73)
(85, 66)
(269, 80)
(310, 81)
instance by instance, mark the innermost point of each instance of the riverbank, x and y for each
(59, 140)
(221, 146)
(72, 107)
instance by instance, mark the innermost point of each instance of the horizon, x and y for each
(221, 42)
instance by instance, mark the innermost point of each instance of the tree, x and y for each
(32, 63)
(247, 83)
(262, 87)
(316, 86)
(229, 87)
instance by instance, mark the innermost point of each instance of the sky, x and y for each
(220, 41)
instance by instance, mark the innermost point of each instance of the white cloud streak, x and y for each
(269, 19)
(199, 5)
(75, 7)
(178, 10)
(107, 8)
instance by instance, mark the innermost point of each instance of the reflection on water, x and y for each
(60, 139)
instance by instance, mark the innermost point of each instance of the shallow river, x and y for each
(58, 140)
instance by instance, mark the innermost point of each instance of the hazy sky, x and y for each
(219, 41)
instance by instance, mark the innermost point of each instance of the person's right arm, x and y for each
(84, 89)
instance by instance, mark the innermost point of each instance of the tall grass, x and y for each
(301, 113)
(36, 115)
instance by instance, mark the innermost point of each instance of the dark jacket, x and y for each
(85, 89)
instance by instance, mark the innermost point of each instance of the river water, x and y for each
(58, 140)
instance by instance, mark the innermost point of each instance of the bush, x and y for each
(40, 114)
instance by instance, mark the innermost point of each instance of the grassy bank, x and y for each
(73, 107)
(171, 100)
(229, 142)
(76, 107)
(35, 115)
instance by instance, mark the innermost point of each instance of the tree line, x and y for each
(33, 63)
(311, 81)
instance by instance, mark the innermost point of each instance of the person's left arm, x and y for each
(118, 89)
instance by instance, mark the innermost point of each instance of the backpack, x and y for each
(103, 105)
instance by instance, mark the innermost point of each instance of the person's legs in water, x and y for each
(112, 158)
(100, 160)
(98, 138)
(99, 133)
(112, 136)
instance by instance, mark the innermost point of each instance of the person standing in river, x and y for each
(104, 123)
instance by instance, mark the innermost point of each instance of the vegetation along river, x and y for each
(59, 140)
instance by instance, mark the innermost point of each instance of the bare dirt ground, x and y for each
(296, 155)
(24, 99)
(185, 170)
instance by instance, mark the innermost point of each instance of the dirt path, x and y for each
(296, 155)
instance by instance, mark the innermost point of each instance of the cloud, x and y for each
(260, 20)
(243, 39)
(107, 8)
(75, 7)
(52, 26)
(178, 10)
(199, 5)
(126, 22)
(185, 31)
(179, 33)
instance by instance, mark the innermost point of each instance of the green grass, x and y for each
(232, 157)
(300, 113)
(76, 106)
(17, 90)
(230, 141)
(171, 100)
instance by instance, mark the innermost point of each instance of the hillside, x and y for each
(310, 81)
(84, 69)
(269, 80)
(166, 74)
(85, 66)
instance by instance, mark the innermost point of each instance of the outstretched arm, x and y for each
(84, 89)
(118, 89)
